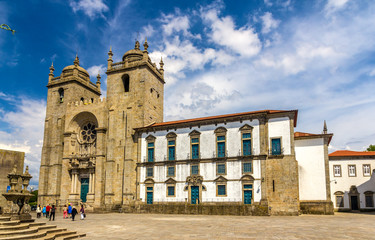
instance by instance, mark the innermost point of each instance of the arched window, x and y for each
(125, 81)
(61, 95)
(82, 99)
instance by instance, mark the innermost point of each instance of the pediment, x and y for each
(150, 138)
(220, 179)
(247, 178)
(149, 181)
(220, 130)
(246, 127)
(171, 135)
(194, 133)
(170, 181)
(368, 192)
(339, 193)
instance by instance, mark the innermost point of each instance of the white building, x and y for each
(352, 174)
(247, 158)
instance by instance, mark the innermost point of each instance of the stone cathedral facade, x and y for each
(117, 152)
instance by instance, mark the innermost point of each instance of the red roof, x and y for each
(225, 116)
(346, 153)
(302, 135)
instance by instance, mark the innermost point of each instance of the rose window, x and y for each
(88, 132)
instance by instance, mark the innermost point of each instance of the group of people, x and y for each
(68, 212)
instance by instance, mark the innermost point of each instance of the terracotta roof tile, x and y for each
(303, 135)
(224, 116)
(346, 153)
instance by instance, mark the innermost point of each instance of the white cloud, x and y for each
(334, 5)
(243, 40)
(91, 8)
(26, 122)
(94, 71)
(268, 22)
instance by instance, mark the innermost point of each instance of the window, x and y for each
(170, 191)
(125, 82)
(150, 151)
(246, 144)
(337, 170)
(352, 171)
(369, 199)
(220, 146)
(246, 167)
(150, 172)
(195, 148)
(172, 150)
(170, 172)
(220, 168)
(88, 133)
(339, 201)
(221, 190)
(61, 95)
(366, 170)
(194, 169)
(276, 146)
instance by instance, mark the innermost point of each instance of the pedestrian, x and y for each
(74, 212)
(65, 211)
(70, 210)
(53, 211)
(44, 211)
(82, 211)
(38, 211)
(48, 209)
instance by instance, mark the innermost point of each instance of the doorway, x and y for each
(194, 194)
(354, 202)
(84, 188)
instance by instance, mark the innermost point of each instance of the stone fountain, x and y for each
(18, 207)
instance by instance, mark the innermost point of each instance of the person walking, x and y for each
(38, 211)
(53, 211)
(74, 212)
(48, 209)
(70, 210)
(44, 211)
(82, 211)
(65, 212)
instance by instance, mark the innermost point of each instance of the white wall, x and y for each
(344, 182)
(311, 169)
(280, 127)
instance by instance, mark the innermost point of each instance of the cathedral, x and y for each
(117, 152)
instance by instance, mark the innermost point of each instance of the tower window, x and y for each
(61, 95)
(82, 99)
(125, 81)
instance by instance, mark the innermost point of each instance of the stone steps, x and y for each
(14, 230)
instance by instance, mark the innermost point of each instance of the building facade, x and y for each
(117, 152)
(353, 179)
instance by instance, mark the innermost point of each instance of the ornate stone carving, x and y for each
(194, 180)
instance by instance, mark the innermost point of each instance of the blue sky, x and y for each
(220, 57)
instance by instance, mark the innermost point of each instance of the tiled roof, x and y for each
(347, 153)
(311, 135)
(223, 116)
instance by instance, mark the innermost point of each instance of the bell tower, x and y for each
(135, 93)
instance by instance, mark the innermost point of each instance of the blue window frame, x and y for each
(170, 190)
(195, 148)
(276, 146)
(150, 151)
(171, 171)
(221, 190)
(149, 195)
(247, 168)
(172, 150)
(220, 146)
(246, 144)
(150, 172)
(221, 168)
(194, 170)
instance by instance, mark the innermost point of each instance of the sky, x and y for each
(220, 57)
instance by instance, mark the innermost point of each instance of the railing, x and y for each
(276, 152)
(118, 65)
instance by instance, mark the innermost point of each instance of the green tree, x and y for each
(371, 148)
(6, 27)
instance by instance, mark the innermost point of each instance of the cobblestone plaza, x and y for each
(158, 226)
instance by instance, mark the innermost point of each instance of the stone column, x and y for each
(72, 188)
(263, 137)
(90, 183)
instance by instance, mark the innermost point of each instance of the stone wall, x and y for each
(316, 207)
(7, 160)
